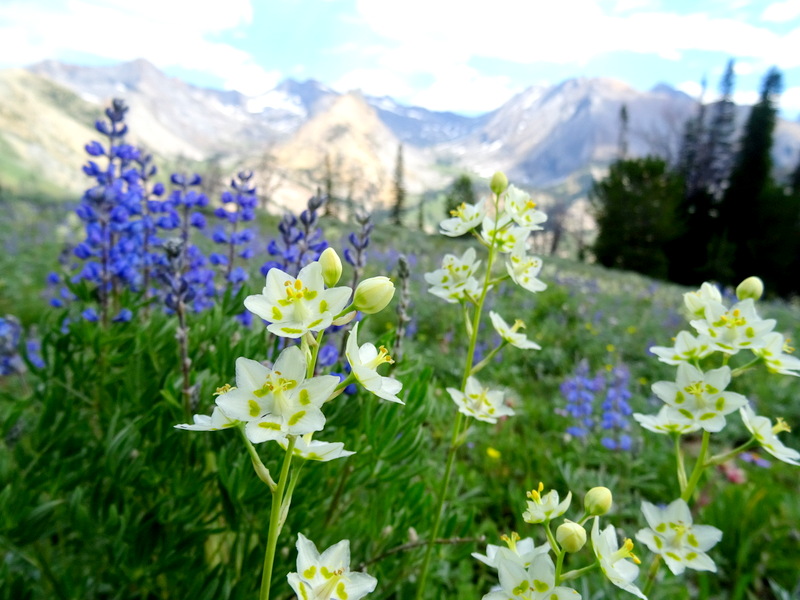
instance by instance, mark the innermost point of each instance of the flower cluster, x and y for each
(699, 400)
(582, 392)
(238, 208)
(11, 336)
(529, 572)
(503, 229)
(301, 240)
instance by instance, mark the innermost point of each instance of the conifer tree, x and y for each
(622, 143)
(399, 188)
(746, 213)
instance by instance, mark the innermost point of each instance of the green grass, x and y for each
(101, 498)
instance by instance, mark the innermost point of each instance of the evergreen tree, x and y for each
(719, 147)
(635, 209)
(461, 192)
(707, 156)
(399, 188)
(622, 143)
(746, 213)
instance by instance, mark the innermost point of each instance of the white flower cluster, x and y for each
(698, 399)
(503, 229)
(528, 572)
(274, 404)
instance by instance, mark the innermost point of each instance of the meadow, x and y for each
(102, 497)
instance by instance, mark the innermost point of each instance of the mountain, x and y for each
(545, 136)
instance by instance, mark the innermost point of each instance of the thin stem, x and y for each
(559, 566)
(258, 466)
(451, 454)
(681, 468)
(699, 467)
(472, 330)
(721, 458)
(575, 573)
(274, 521)
(651, 574)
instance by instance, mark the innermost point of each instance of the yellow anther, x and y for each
(787, 348)
(695, 389)
(530, 205)
(780, 426)
(224, 389)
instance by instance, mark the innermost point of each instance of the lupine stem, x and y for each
(275, 520)
(455, 436)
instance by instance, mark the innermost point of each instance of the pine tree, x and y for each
(635, 208)
(461, 192)
(399, 188)
(622, 143)
(746, 214)
(719, 147)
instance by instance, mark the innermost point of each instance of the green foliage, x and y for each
(635, 209)
(461, 192)
(100, 498)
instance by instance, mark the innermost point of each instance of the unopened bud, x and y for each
(752, 287)
(331, 267)
(571, 536)
(597, 501)
(499, 183)
(373, 294)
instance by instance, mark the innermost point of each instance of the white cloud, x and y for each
(440, 39)
(745, 97)
(373, 82)
(781, 12)
(790, 100)
(174, 33)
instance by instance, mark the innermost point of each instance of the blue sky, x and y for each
(467, 56)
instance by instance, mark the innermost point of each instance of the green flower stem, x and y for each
(487, 359)
(575, 573)
(455, 438)
(699, 467)
(559, 566)
(287, 497)
(681, 468)
(551, 538)
(746, 367)
(258, 466)
(451, 454)
(275, 521)
(345, 382)
(651, 574)
(721, 458)
(312, 364)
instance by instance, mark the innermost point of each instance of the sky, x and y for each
(466, 56)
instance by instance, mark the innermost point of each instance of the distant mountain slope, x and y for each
(542, 137)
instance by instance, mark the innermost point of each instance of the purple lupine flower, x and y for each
(580, 391)
(615, 419)
(301, 241)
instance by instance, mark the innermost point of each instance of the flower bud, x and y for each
(499, 183)
(597, 501)
(331, 267)
(571, 536)
(752, 287)
(373, 294)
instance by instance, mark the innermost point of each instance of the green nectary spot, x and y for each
(658, 542)
(540, 586)
(305, 397)
(707, 416)
(673, 556)
(310, 294)
(253, 408)
(291, 330)
(750, 332)
(277, 315)
(325, 572)
(686, 413)
(341, 591)
(268, 425)
(661, 527)
(323, 306)
(692, 540)
(295, 418)
(720, 403)
(310, 572)
(314, 323)
(691, 555)
(679, 398)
